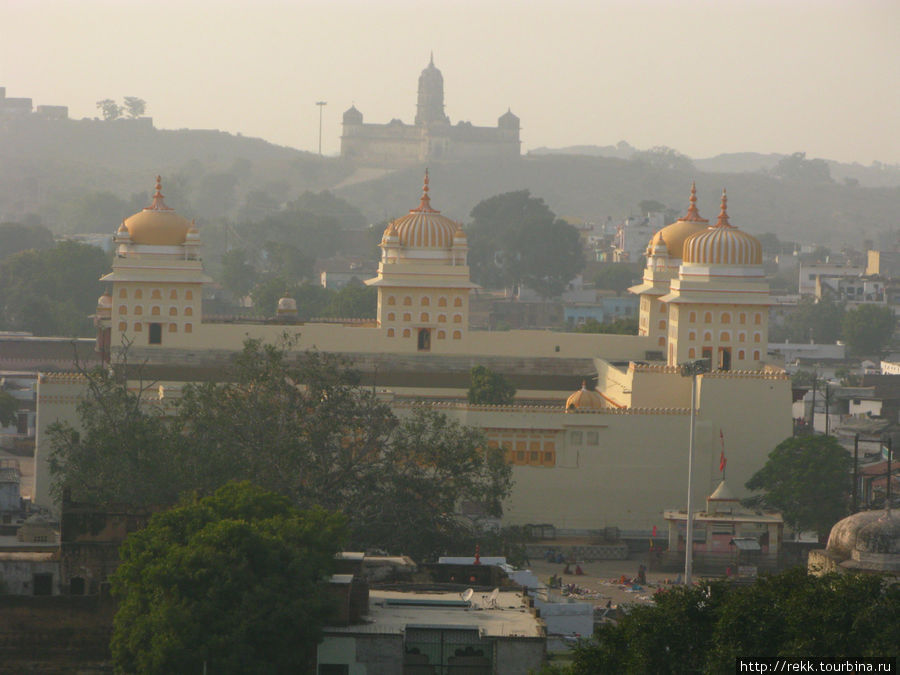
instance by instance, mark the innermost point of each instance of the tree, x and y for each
(15, 237)
(515, 238)
(663, 157)
(134, 106)
(817, 321)
(867, 329)
(354, 301)
(807, 479)
(703, 629)
(797, 168)
(238, 276)
(8, 407)
(489, 388)
(617, 276)
(231, 583)
(109, 109)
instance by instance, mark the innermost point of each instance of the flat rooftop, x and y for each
(391, 612)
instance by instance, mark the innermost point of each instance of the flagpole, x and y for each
(691, 369)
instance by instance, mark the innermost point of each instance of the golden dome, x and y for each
(723, 244)
(585, 399)
(157, 224)
(423, 227)
(674, 235)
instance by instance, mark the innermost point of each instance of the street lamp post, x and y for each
(321, 105)
(691, 369)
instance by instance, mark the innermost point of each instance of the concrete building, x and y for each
(431, 137)
(610, 455)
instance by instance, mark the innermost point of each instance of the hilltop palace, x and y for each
(614, 454)
(430, 138)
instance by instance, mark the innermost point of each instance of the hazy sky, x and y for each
(820, 76)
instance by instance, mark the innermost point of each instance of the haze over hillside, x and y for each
(51, 169)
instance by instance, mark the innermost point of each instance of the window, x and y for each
(392, 300)
(707, 318)
(424, 343)
(188, 327)
(188, 295)
(457, 335)
(457, 318)
(757, 318)
(407, 316)
(123, 293)
(406, 332)
(138, 327)
(742, 337)
(441, 335)
(593, 438)
(138, 294)
(707, 337)
(173, 294)
(662, 324)
(122, 309)
(138, 310)
(123, 326)
(156, 295)
(707, 354)
(756, 355)
(743, 318)
(42, 583)
(457, 302)
(390, 332)
(189, 311)
(692, 353)
(740, 355)
(154, 334)
(442, 318)
(425, 301)
(407, 300)
(154, 310)
(725, 336)
(173, 327)
(725, 358)
(692, 335)
(692, 317)
(756, 337)
(576, 437)
(423, 317)
(442, 302)
(173, 311)
(726, 317)
(661, 342)
(390, 316)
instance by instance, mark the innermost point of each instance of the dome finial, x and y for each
(723, 214)
(158, 203)
(425, 203)
(693, 213)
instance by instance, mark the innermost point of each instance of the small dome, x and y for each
(674, 235)
(157, 224)
(287, 306)
(508, 120)
(423, 227)
(722, 494)
(585, 399)
(842, 539)
(869, 540)
(723, 244)
(105, 301)
(352, 116)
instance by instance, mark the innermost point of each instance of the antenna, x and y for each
(492, 598)
(467, 594)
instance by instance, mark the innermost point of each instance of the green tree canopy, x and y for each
(868, 329)
(134, 106)
(109, 109)
(807, 478)
(798, 169)
(515, 239)
(703, 629)
(52, 291)
(817, 321)
(617, 276)
(489, 388)
(15, 237)
(8, 407)
(231, 583)
(354, 301)
(296, 424)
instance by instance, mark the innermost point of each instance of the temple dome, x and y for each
(722, 244)
(352, 116)
(422, 227)
(157, 224)
(869, 540)
(674, 235)
(585, 399)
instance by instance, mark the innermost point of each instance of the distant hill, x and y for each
(86, 175)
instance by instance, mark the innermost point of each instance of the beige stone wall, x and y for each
(699, 329)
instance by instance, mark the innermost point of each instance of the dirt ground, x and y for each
(601, 581)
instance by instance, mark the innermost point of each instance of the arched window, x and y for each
(123, 293)
(441, 335)
(426, 301)
(423, 317)
(740, 355)
(662, 324)
(123, 326)
(188, 327)
(390, 316)
(661, 342)
(390, 332)
(707, 337)
(707, 318)
(154, 310)
(156, 295)
(757, 318)
(756, 355)
(457, 318)
(442, 318)
(137, 327)
(442, 302)
(173, 328)
(692, 353)
(692, 335)
(188, 311)
(742, 337)
(406, 332)
(726, 317)
(407, 300)
(122, 309)
(392, 300)
(138, 310)
(173, 311)
(742, 318)
(757, 337)
(173, 294)
(457, 335)
(692, 317)
(407, 316)
(138, 294)
(457, 302)
(725, 336)
(188, 295)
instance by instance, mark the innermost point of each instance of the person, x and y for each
(609, 604)
(567, 570)
(578, 571)
(642, 574)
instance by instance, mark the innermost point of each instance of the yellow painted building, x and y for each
(614, 454)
